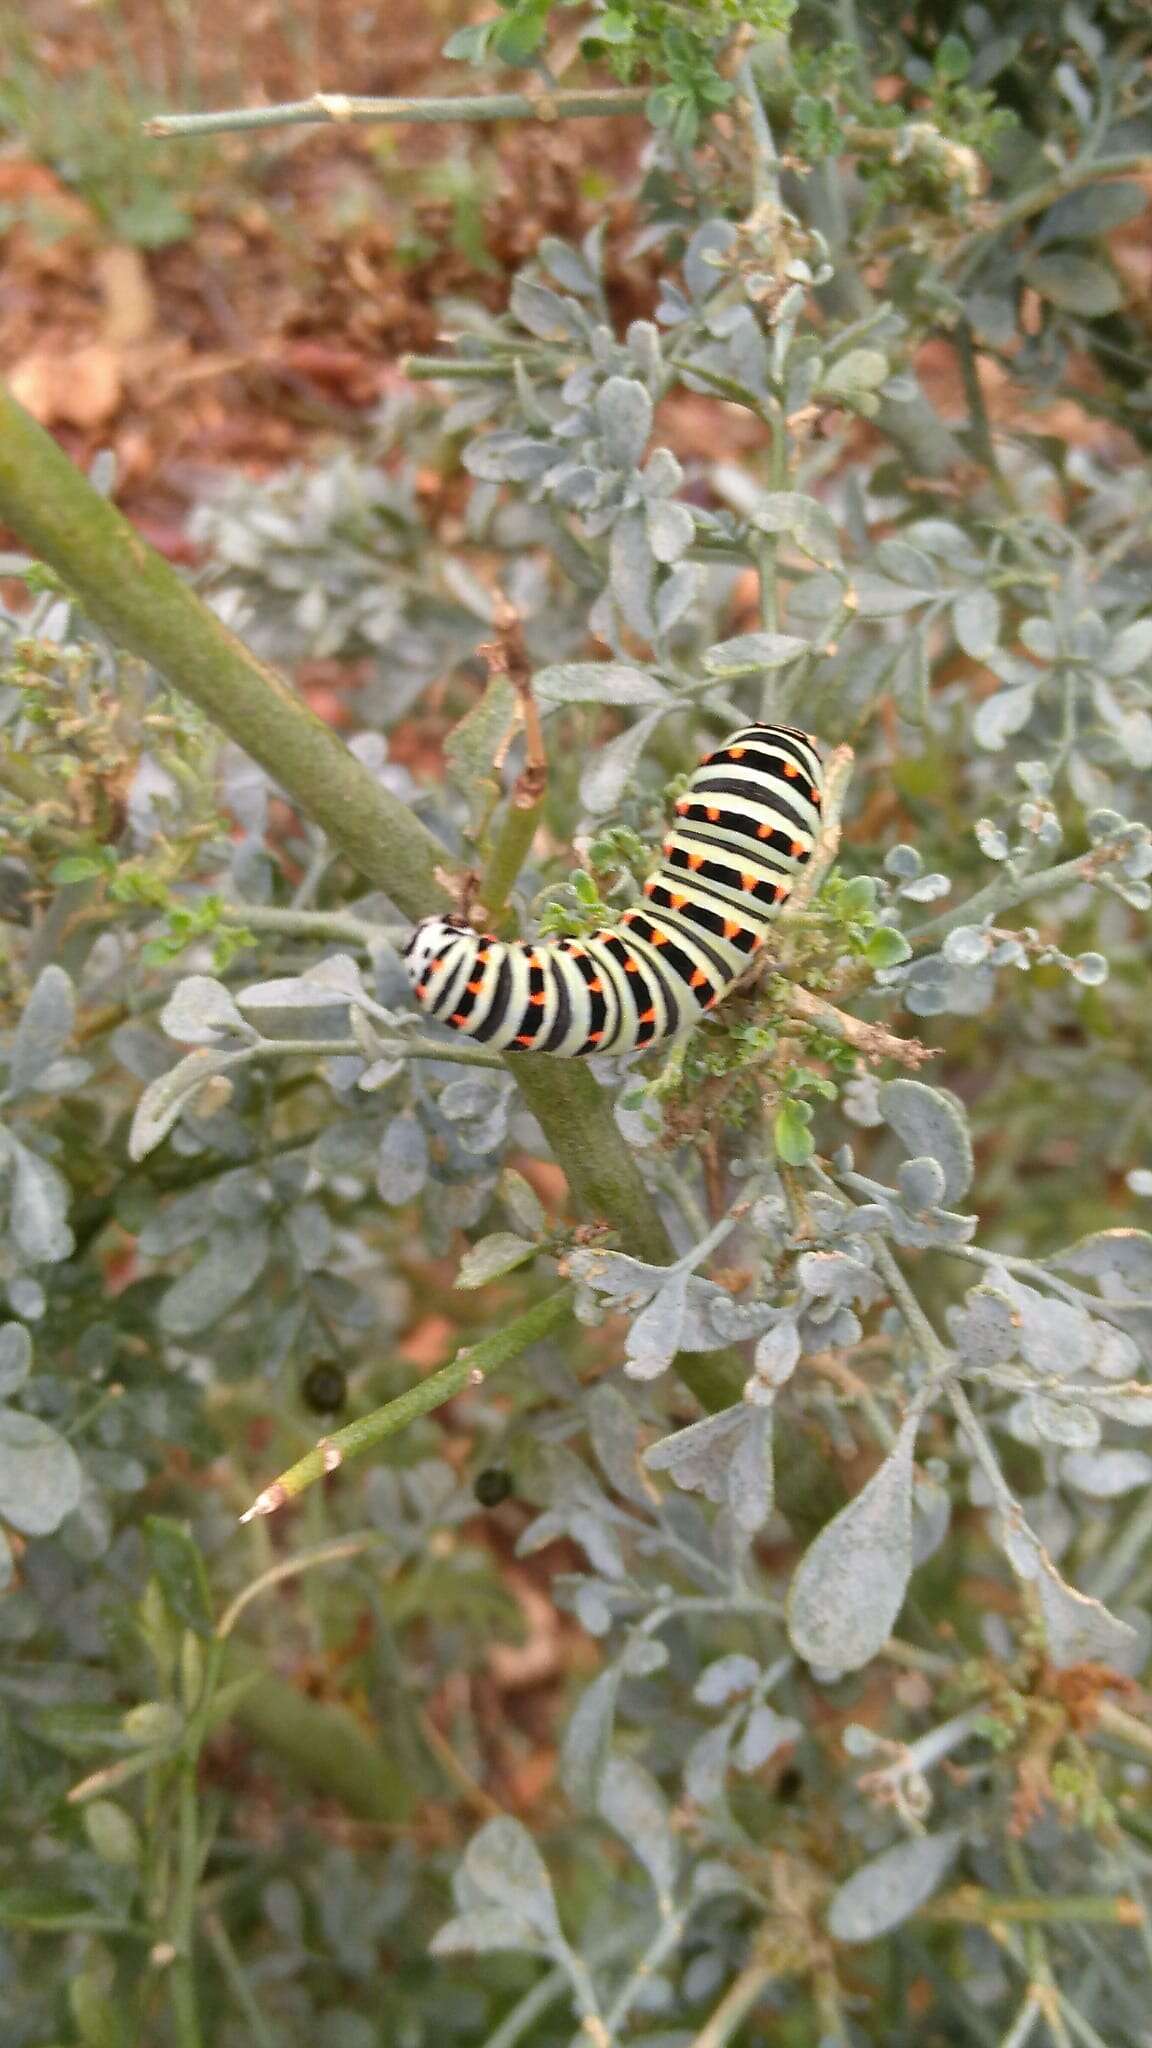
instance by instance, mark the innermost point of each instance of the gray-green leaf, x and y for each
(926, 1120)
(40, 1478)
(39, 1208)
(632, 1804)
(212, 1287)
(504, 1864)
(44, 1029)
(850, 1584)
(15, 1357)
(603, 780)
(163, 1099)
(892, 1886)
(751, 652)
(199, 1010)
(1076, 283)
(976, 621)
(493, 1257)
(597, 682)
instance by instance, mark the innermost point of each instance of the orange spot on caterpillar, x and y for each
(763, 831)
(781, 892)
(526, 1038)
(791, 770)
(658, 938)
(695, 860)
(731, 927)
(749, 882)
(683, 803)
(736, 753)
(796, 849)
(649, 885)
(538, 1000)
(711, 813)
(594, 1038)
(677, 902)
(594, 987)
(631, 967)
(458, 1019)
(474, 987)
(698, 979)
(647, 1017)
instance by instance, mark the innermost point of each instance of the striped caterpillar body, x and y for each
(746, 822)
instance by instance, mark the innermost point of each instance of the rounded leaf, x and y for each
(928, 1122)
(44, 1028)
(40, 1479)
(890, 1888)
(504, 1864)
(15, 1357)
(850, 1584)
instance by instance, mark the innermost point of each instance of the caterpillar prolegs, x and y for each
(746, 823)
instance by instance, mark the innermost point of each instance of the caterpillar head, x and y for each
(429, 942)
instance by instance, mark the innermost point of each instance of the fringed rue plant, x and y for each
(821, 1331)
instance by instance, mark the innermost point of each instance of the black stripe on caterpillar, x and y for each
(746, 823)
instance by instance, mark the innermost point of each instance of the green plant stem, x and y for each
(259, 2033)
(528, 2009)
(471, 1367)
(664, 1944)
(512, 844)
(737, 2002)
(336, 1552)
(344, 109)
(1007, 892)
(338, 925)
(182, 1973)
(979, 425)
(1083, 171)
(1124, 1727)
(406, 1048)
(974, 1907)
(455, 370)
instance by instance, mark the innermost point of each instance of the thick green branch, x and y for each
(470, 1367)
(342, 109)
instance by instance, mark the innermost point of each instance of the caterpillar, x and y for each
(746, 823)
